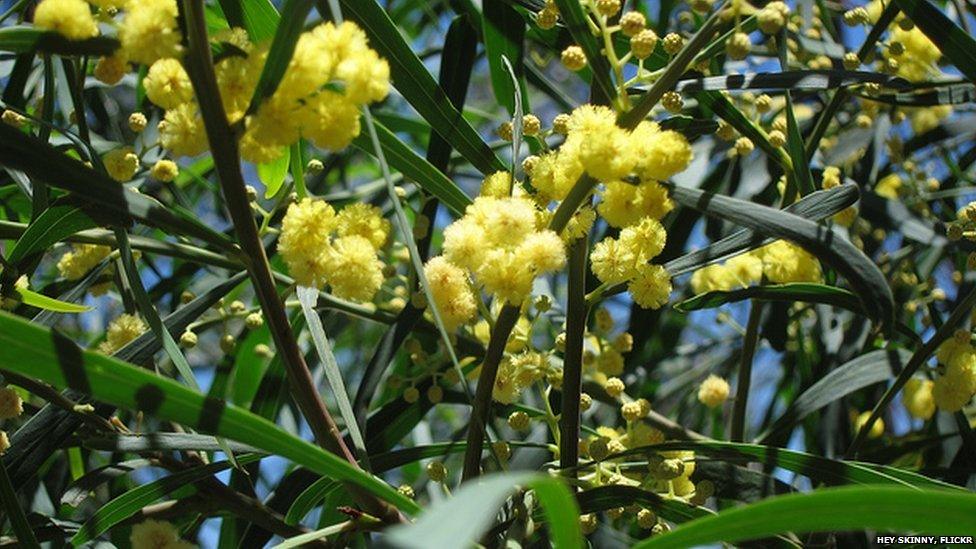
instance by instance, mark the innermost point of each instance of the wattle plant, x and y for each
(620, 273)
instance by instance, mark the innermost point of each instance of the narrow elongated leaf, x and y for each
(416, 169)
(850, 508)
(798, 291)
(40, 160)
(79, 490)
(46, 303)
(290, 26)
(132, 501)
(49, 356)
(462, 519)
(273, 173)
(310, 498)
(818, 468)
(603, 498)
(258, 17)
(53, 225)
(504, 33)
(817, 206)
(790, 80)
(861, 372)
(824, 242)
(25, 39)
(954, 42)
(417, 86)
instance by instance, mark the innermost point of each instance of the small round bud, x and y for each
(406, 491)
(764, 103)
(435, 394)
(608, 8)
(851, 61)
(672, 102)
(314, 166)
(504, 131)
(187, 296)
(436, 471)
(725, 131)
(743, 146)
(585, 402)
(614, 387)
(531, 125)
(623, 343)
(254, 321)
(164, 170)
(643, 43)
(237, 306)
(668, 469)
(543, 303)
(906, 24)
(738, 45)
(776, 138)
(573, 58)
(227, 343)
(188, 339)
(263, 351)
(646, 519)
(529, 164)
(411, 395)
(418, 300)
(252, 193)
(547, 18)
(863, 121)
(673, 43)
(137, 122)
(599, 448)
(560, 124)
(588, 523)
(519, 421)
(502, 449)
(632, 23)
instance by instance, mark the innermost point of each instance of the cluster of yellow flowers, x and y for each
(780, 262)
(502, 243)
(120, 332)
(340, 250)
(81, 259)
(713, 391)
(11, 406)
(157, 534)
(956, 384)
(332, 73)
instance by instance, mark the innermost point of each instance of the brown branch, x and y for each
(226, 155)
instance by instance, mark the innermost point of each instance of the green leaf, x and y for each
(25, 39)
(290, 26)
(461, 520)
(258, 17)
(824, 242)
(865, 370)
(51, 357)
(806, 292)
(418, 87)
(504, 32)
(40, 160)
(954, 42)
(273, 173)
(310, 498)
(53, 225)
(42, 301)
(133, 500)
(851, 508)
(612, 496)
(816, 206)
(413, 167)
(18, 521)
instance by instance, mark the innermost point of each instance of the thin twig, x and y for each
(224, 148)
(744, 379)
